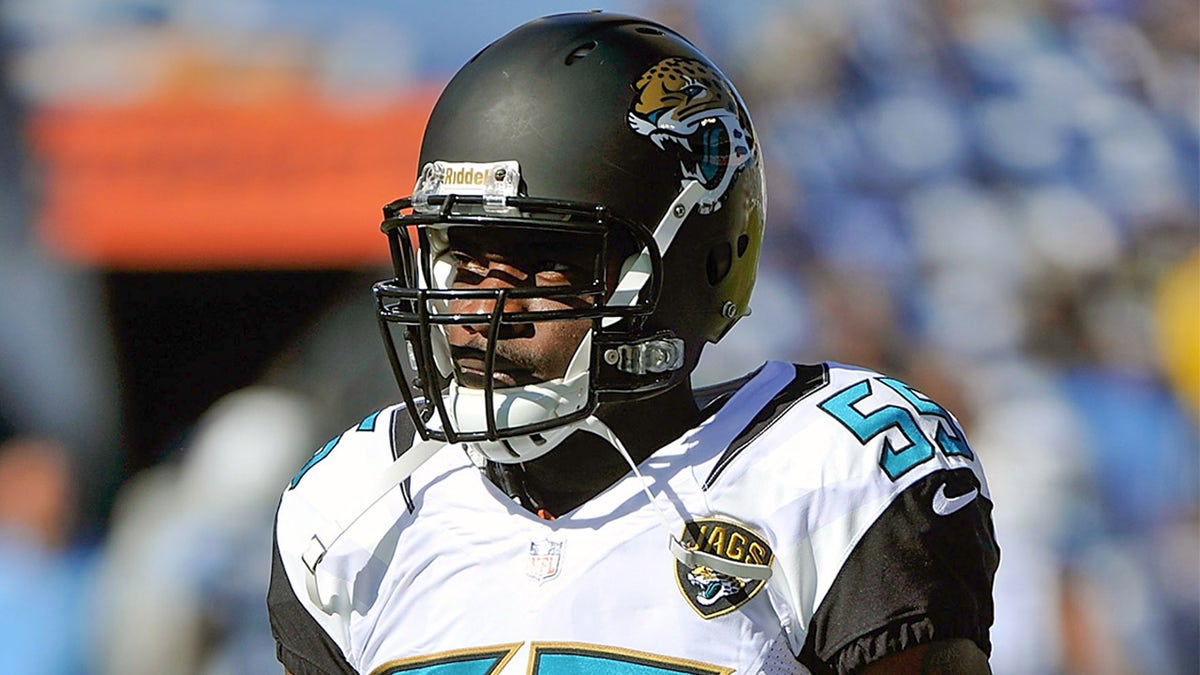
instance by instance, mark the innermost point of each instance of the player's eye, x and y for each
(555, 266)
(465, 263)
(557, 273)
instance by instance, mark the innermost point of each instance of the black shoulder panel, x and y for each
(915, 577)
(808, 379)
(403, 431)
(403, 434)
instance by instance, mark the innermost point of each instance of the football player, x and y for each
(551, 495)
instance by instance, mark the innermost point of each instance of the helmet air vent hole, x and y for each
(719, 260)
(580, 52)
(647, 30)
(743, 244)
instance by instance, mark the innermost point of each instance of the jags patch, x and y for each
(712, 593)
(688, 108)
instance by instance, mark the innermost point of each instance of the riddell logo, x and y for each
(464, 177)
(469, 178)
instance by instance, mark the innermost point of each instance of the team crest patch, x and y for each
(545, 559)
(688, 108)
(712, 593)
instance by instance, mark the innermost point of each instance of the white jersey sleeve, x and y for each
(878, 513)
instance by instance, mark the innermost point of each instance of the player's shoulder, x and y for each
(339, 468)
(327, 495)
(851, 479)
(832, 422)
(901, 431)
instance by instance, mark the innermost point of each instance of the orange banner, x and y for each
(185, 184)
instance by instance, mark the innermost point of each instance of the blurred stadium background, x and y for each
(997, 201)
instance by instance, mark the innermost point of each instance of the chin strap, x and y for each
(636, 271)
(688, 556)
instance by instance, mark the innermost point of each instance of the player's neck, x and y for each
(584, 465)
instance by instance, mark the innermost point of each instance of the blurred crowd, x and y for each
(996, 201)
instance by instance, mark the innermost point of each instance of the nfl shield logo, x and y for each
(544, 559)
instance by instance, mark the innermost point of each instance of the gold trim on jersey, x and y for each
(501, 653)
(678, 665)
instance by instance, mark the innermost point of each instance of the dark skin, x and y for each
(525, 353)
(584, 464)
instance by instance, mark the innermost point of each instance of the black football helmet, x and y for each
(611, 129)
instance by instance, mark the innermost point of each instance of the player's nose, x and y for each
(484, 305)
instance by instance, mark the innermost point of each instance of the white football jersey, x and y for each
(860, 496)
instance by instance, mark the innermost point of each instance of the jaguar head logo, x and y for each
(689, 109)
(710, 586)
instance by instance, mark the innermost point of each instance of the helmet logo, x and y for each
(689, 109)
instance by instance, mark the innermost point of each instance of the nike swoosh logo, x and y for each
(944, 506)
